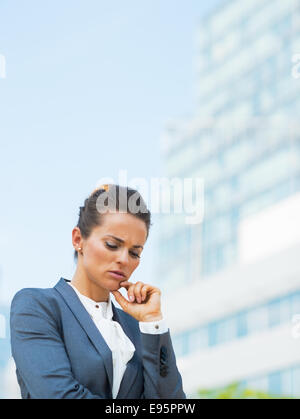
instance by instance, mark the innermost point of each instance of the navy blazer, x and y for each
(60, 353)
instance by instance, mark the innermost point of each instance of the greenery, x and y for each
(237, 391)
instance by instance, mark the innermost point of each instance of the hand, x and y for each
(144, 304)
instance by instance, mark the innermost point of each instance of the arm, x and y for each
(39, 352)
(161, 376)
(162, 379)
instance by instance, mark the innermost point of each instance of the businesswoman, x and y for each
(70, 341)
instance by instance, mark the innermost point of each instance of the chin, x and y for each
(115, 286)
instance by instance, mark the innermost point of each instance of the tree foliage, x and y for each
(237, 391)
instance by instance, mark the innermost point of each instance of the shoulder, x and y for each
(32, 294)
(33, 300)
(34, 310)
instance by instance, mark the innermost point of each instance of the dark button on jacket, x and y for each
(163, 368)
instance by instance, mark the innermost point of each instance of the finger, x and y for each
(120, 299)
(128, 286)
(131, 294)
(137, 291)
(125, 284)
(144, 291)
(130, 290)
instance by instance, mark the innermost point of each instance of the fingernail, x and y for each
(131, 298)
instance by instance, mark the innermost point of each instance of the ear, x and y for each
(76, 237)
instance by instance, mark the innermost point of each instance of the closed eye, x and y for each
(134, 255)
(111, 246)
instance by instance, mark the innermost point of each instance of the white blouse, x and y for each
(119, 343)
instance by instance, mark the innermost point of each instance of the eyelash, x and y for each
(115, 247)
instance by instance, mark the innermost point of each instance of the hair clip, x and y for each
(106, 187)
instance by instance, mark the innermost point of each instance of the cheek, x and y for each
(97, 252)
(134, 265)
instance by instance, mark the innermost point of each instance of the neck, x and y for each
(89, 287)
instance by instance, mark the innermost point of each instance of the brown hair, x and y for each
(116, 198)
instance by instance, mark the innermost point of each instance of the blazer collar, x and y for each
(83, 317)
(90, 304)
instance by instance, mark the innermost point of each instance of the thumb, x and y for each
(120, 299)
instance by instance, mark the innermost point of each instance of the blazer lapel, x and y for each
(83, 317)
(133, 364)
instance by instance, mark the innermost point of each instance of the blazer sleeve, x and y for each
(162, 379)
(38, 350)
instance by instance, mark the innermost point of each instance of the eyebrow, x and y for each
(122, 241)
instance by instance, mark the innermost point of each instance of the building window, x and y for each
(296, 382)
(275, 383)
(241, 325)
(198, 339)
(257, 319)
(212, 334)
(281, 310)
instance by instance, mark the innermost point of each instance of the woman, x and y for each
(70, 341)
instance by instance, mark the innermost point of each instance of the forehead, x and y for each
(123, 225)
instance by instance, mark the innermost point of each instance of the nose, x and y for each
(123, 257)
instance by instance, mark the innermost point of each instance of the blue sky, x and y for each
(90, 86)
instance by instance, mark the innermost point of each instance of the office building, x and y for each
(233, 281)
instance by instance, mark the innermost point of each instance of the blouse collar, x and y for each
(105, 307)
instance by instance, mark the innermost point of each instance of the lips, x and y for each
(118, 274)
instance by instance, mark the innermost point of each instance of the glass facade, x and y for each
(285, 382)
(244, 140)
(238, 325)
(281, 383)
